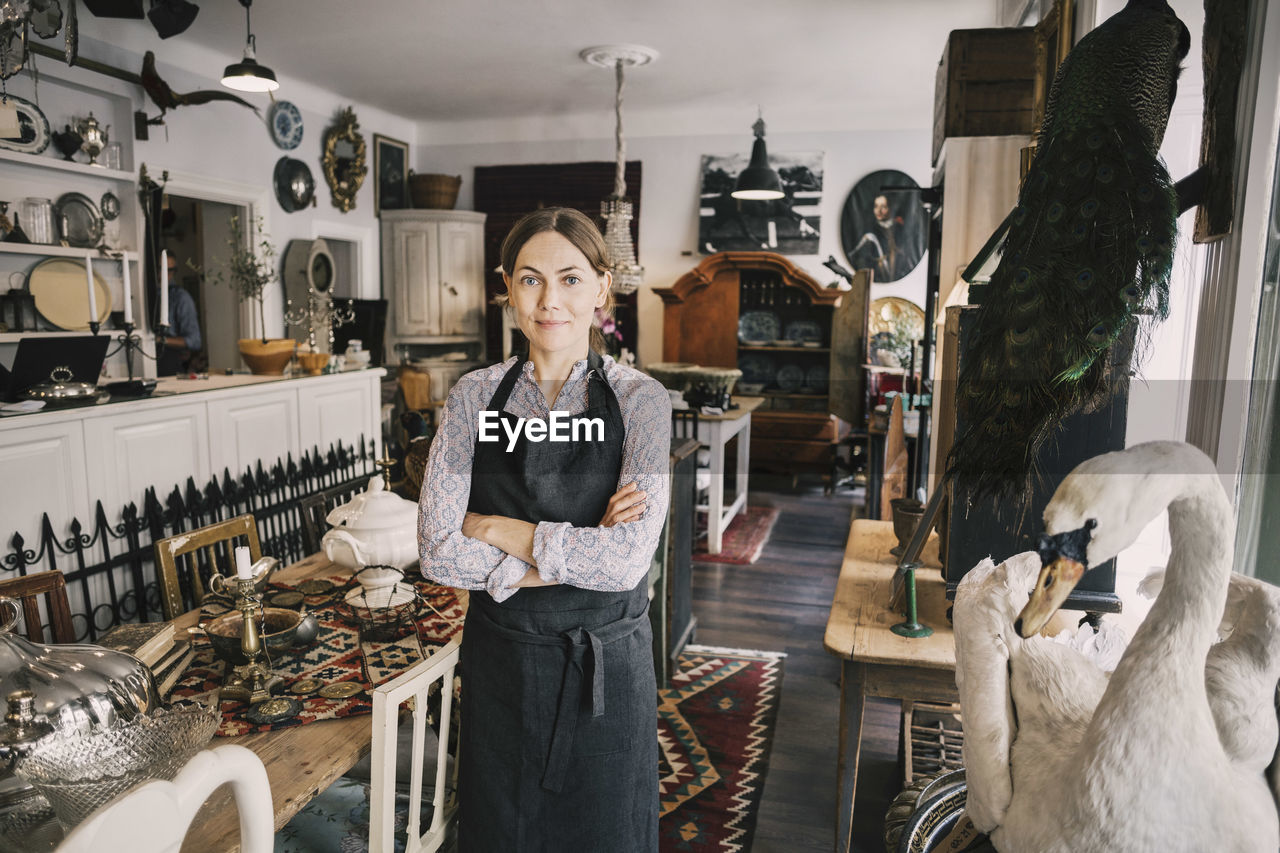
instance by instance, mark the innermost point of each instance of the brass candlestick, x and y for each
(250, 682)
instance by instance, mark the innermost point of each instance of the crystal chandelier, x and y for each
(616, 209)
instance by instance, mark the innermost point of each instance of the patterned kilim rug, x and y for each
(715, 729)
(744, 538)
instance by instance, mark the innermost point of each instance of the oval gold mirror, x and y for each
(344, 160)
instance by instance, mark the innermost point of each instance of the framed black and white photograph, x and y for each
(881, 229)
(790, 225)
(391, 166)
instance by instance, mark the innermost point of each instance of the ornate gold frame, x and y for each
(344, 189)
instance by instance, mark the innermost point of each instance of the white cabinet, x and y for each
(433, 274)
(331, 413)
(259, 426)
(44, 472)
(156, 446)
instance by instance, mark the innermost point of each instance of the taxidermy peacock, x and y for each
(1089, 249)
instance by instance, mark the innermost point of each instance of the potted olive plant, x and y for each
(250, 268)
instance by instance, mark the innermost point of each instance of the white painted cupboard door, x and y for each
(461, 278)
(255, 427)
(332, 413)
(158, 447)
(43, 473)
(415, 268)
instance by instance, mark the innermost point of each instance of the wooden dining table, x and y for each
(301, 761)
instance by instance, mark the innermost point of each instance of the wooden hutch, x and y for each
(806, 386)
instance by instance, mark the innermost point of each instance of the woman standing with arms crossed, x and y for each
(559, 746)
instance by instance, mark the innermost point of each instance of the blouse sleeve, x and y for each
(614, 559)
(447, 556)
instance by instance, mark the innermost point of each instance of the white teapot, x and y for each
(375, 528)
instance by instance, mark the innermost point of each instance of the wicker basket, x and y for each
(434, 192)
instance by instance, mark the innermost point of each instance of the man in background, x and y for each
(183, 340)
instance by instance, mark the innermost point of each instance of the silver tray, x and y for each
(78, 220)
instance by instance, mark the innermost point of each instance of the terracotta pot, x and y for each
(270, 358)
(313, 363)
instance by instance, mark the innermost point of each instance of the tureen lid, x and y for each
(61, 386)
(374, 508)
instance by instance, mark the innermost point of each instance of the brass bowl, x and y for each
(313, 363)
(279, 632)
(267, 359)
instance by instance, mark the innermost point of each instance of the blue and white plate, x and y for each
(790, 377)
(816, 379)
(757, 368)
(800, 331)
(758, 327)
(286, 125)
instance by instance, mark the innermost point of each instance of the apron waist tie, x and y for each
(577, 642)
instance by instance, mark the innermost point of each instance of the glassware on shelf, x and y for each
(113, 157)
(36, 215)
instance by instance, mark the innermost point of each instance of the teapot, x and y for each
(93, 136)
(375, 528)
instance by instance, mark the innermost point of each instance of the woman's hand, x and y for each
(472, 523)
(627, 504)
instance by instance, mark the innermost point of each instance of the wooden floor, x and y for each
(781, 604)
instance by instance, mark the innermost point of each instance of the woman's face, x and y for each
(554, 292)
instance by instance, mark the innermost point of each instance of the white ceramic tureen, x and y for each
(375, 528)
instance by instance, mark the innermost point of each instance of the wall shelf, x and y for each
(53, 251)
(39, 161)
(14, 337)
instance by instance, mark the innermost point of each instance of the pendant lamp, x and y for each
(247, 75)
(759, 181)
(616, 210)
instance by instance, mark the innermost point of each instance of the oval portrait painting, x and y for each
(881, 230)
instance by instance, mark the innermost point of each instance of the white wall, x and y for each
(221, 143)
(671, 182)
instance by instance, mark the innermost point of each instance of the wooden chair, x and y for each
(154, 817)
(684, 424)
(387, 699)
(211, 550)
(27, 591)
(316, 507)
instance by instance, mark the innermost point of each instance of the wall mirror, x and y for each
(344, 160)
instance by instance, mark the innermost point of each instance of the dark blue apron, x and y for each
(559, 747)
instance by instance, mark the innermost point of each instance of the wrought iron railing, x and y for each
(110, 568)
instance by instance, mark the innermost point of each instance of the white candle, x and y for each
(93, 297)
(128, 290)
(164, 287)
(244, 569)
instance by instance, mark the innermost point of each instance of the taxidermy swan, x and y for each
(1148, 770)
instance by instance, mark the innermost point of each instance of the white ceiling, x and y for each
(820, 64)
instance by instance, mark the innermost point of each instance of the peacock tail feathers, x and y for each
(1087, 256)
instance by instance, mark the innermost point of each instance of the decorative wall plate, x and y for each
(58, 285)
(790, 377)
(110, 205)
(293, 183)
(285, 123)
(815, 379)
(800, 331)
(758, 327)
(34, 135)
(78, 220)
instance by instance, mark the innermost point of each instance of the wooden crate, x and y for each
(985, 85)
(932, 739)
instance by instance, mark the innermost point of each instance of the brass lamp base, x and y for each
(251, 682)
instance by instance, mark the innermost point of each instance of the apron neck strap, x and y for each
(595, 367)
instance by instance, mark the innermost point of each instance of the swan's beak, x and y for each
(1055, 583)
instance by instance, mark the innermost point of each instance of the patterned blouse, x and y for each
(598, 558)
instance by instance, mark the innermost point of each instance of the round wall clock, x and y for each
(285, 122)
(307, 264)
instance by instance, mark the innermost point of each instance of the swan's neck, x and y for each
(1184, 619)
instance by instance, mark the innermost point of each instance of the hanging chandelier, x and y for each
(616, 210)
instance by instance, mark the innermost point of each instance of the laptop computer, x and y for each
(36, 358)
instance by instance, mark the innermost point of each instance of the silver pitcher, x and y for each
(75, 688)
(94, 136)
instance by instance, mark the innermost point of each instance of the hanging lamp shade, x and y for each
(247, 75)
(758, 182)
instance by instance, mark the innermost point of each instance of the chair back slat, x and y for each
(204, 542)
(28, 590)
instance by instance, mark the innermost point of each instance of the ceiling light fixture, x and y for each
(759, 181)
(616, 209)
(247, 75)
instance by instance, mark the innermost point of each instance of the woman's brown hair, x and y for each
(576, 227)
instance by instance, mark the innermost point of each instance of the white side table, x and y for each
(715, 431)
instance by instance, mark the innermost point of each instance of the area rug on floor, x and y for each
(715, 729)
(743, 540)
